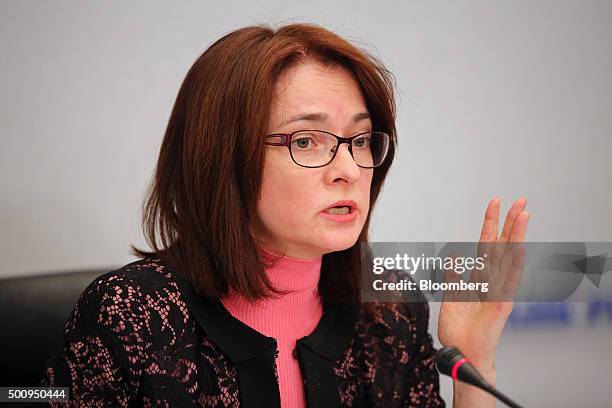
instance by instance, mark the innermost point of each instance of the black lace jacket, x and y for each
(141, 336)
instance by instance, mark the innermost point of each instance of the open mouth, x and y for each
(339, 210)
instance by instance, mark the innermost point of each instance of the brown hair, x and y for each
(206, 185)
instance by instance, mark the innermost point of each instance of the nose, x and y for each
(343, 166)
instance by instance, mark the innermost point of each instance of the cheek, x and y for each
(365, 183)
(287, 197)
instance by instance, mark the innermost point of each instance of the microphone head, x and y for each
(451, 361)
(446, 358)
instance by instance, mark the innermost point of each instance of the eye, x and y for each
(303, 142)
(307, 141)
(362, 141)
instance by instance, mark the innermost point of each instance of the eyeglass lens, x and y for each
(314, 148)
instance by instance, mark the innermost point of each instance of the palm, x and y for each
(475, 327)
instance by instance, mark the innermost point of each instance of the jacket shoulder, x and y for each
(128, 293)
(139, 278)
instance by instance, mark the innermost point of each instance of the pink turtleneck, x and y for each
(286, 318)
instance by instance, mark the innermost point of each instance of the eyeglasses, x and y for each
(317, 148)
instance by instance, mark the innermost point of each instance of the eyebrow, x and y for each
(321, 117)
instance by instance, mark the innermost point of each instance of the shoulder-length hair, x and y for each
(206, 186)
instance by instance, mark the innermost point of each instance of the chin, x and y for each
(340, 244)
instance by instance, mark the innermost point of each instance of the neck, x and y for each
(292, 254)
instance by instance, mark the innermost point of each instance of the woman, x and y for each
(275, 152)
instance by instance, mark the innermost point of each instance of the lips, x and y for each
(344, 203)
(341, 212)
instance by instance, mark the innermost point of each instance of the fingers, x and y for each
(505, 262)
(491, 222)
(513, 275)
(519, 227)
(498, 249)
(489, 233)
(513, 212)
(513, 259)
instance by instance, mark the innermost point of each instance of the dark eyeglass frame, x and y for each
(285, 140)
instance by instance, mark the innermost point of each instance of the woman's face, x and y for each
(294, 200)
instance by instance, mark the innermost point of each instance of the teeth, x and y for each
(338, 210)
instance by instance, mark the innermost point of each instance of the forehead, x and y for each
(313, 87)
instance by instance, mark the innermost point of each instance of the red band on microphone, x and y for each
(456, 367)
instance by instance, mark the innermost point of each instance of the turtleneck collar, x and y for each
(292, 274)
(294, 314)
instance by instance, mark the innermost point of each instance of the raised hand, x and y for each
(475, 326)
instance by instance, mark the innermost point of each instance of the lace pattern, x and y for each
(131, 340)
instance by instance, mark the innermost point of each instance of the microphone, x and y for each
(450, 361)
